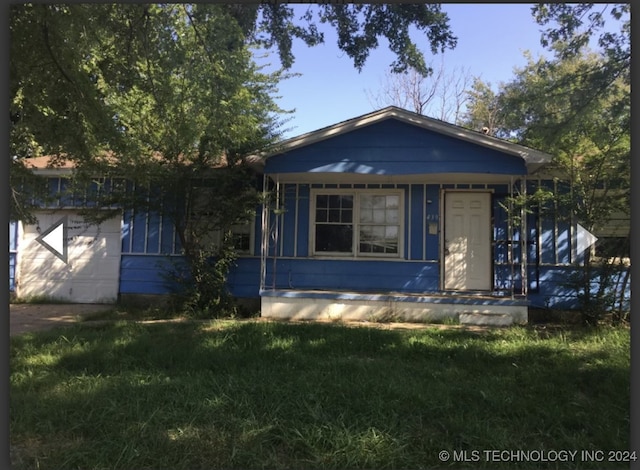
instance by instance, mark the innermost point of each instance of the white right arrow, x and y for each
(584, 239)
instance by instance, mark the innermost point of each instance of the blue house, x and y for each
(390, 215)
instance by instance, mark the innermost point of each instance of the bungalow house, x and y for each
(389, 215)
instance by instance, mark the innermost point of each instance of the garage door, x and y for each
(91, 272)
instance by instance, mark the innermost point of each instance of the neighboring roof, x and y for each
(533, 158)
(47, 162)
(59, 165)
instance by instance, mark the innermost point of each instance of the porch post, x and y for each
(510, 257)
(276, 234)
(524, 238)
(264, 242)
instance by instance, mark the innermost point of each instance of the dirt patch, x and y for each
(37, 317)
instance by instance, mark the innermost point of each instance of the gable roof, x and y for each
(534, 159)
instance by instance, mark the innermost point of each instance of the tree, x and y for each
(57, 96)
(440, 95)
(589, 137)
(576, 106)
(483, 111)
(164, 102)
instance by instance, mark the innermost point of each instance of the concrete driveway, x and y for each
(37, 317)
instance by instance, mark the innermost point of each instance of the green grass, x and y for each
(38, 299)
(248, 394)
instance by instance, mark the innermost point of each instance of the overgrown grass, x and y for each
(38, 299)
(247, 394)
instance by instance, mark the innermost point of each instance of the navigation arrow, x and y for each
(54, 239)
(584, 239)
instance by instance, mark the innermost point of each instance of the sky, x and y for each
(492, 39)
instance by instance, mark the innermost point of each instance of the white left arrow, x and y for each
(54, 239)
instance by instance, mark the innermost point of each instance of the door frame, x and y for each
(441, 250)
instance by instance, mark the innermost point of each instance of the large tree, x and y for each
(168, 96)
(65, 59)
(575, 106)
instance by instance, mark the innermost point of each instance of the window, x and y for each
(357, 223)
(242, 237)
(613, 249)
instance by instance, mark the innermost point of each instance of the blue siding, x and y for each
(167, 236)
(433, 217)
(361, 275)
(138, 232)
(153, 234)
(394, 148)
(288, 233)
(417, 211)
(549, 256)
(303, 220)
(244, 278)
(146, 274)
(126, 232)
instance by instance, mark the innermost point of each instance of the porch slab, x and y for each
(348, 306)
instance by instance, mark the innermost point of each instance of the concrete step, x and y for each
(486, 319)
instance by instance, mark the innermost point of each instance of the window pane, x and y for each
(334, 215)
(378, 216)
(392, 216)
(322, 200)
(347, 202)
(242, 241)
(334, 201)
(379, 239)
(379, 202)
(393, 202)
(321, 215)
(391, 232)
(336, 238)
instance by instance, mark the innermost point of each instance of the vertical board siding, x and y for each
(139, 232)
(548, 241)
(303, 228)
(417, 214)
(257, 230)
(432, 241)
(167, 236)
(288, 229)
(153, 233)
(126, 232)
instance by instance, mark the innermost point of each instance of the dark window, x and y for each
(613, 247)
(334, 229)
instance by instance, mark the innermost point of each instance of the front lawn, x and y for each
(251, 394)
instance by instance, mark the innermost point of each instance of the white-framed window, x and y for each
(363, 223)
(243, 237)
(202, 217)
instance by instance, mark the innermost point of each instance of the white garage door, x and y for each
(93, 260)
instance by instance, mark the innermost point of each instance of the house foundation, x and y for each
(467, 310)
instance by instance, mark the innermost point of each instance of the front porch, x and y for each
(467, 309)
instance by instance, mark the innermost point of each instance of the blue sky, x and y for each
(491, 41)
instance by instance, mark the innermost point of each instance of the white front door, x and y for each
(467, 241)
